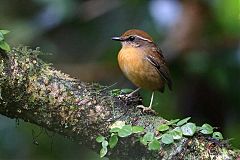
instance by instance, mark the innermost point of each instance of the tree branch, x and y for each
(35, 92)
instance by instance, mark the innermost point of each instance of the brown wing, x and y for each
(157, 60)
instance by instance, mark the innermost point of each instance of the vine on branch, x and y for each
(165, 134)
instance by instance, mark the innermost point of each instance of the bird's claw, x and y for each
(147, 110)
(126, 97)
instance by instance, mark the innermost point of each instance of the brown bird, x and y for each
(143, 63)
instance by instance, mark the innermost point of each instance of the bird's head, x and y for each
(134, 38)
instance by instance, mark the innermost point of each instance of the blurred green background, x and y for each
(200, 40)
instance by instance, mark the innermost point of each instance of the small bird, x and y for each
(142, 63)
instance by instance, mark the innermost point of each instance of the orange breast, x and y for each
(138, 70)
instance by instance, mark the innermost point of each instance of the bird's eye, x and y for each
(131, 38)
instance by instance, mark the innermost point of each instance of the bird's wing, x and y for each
(158, 61)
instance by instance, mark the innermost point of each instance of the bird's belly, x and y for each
(138, 70)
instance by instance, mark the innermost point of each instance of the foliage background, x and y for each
(200, 40)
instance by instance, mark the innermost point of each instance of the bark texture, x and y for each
(37, 93)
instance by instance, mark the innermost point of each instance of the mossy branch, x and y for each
(37, 93)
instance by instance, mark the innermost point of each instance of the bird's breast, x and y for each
(136, 68)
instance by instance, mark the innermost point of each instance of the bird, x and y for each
(143, 63)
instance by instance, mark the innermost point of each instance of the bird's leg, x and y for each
(150, 106)
(148, 109)
(133, 92)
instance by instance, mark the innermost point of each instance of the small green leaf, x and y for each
(4, 46)
(183, 121)
(113, 141)
(1, 36)
(126, 90)
(103, 152)
(104, 143)
(167, 138)
(171, 122)
(154, 145)
(188, 129)
(137, 129)
(198, 129)
(125, 131)
(115, 92)
(148, 137)
(163, 127)
(4, 31)
(117, 124)
(217, 135)
(100, 138)
(176, 133)
(114, 130)
(206, 129)
(143, 141)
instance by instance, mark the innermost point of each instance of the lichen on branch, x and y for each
(34, 91)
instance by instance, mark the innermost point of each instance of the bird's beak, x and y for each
(117, 38)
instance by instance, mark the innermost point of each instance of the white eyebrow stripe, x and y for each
(145, 39)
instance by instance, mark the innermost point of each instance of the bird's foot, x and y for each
(133, 94)
(128, 97)
(147, 110)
